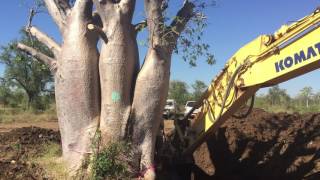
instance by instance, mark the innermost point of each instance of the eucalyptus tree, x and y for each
(21, 71)
(199, 87)
(306, 94)
(178, 90)
(277, 96)
(105, 89)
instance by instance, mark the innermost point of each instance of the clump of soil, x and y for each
(18, 146)
(262, 146)
(21, 170)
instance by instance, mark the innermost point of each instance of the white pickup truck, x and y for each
(170, 109)
(189, 105)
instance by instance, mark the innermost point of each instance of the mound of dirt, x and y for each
(262, 146)
(17, 146)
(21, 171)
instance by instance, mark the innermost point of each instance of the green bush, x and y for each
(111, 162)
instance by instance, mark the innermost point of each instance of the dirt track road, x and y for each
(6, 127)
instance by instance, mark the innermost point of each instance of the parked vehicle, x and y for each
(170, 109)
(189, 105)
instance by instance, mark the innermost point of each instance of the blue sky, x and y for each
(232, 24)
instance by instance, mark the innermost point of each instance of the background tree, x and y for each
(276, 95)
(109, 93)
(306, 94)
(317, 97)
(199, 87)
(23, 71)
(11, 96)
(178, 90)
(5, 93)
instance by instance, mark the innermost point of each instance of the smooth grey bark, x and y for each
(149, 99)
(76, 74)
(132, 98)
(77, 85)
(118, 64)
(153, 80)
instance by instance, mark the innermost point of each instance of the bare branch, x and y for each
(182, 18)
(39, 56)
(100, 8)
(97, 19)
(97, 29)
(45, 39)
(20, 82)
(84, 8)
(140, 26)
(104, 8)
(31, 15)
(155, 20)
(64, 5)
(59, 10)
(128, 6)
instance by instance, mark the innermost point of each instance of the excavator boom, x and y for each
(268, 60)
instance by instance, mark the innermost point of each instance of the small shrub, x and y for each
(111, 162)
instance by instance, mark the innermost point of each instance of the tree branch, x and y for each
(128, 6)
(59, 10)
(97, 29)
(97, 19)
(182, 18)
(83, 8)
(100, 4)
(20, 82)
(140, 26)
(155, 21)
(39, 56)
(45, 39)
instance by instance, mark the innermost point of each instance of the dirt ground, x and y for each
(20, 145)
(6, 127)
(262, 146)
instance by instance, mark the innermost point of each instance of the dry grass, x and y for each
(52, 162)
(9, 115)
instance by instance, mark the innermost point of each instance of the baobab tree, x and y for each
(105, 88)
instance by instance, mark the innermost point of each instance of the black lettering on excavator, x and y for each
(288, 62)
(318, 47)
(297, 58)
(279, 66)
(311, 52)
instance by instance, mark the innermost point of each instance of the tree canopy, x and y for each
(22, 71)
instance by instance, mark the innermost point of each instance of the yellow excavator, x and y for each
(291, 51)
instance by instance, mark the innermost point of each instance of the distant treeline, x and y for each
(278, 100)
(275, 100)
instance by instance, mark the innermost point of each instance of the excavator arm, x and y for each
(268, 60)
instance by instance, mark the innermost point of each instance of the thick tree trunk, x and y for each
(149, 99)
(119, 62)
(77, 87)
(118, 65)
(30, 100)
